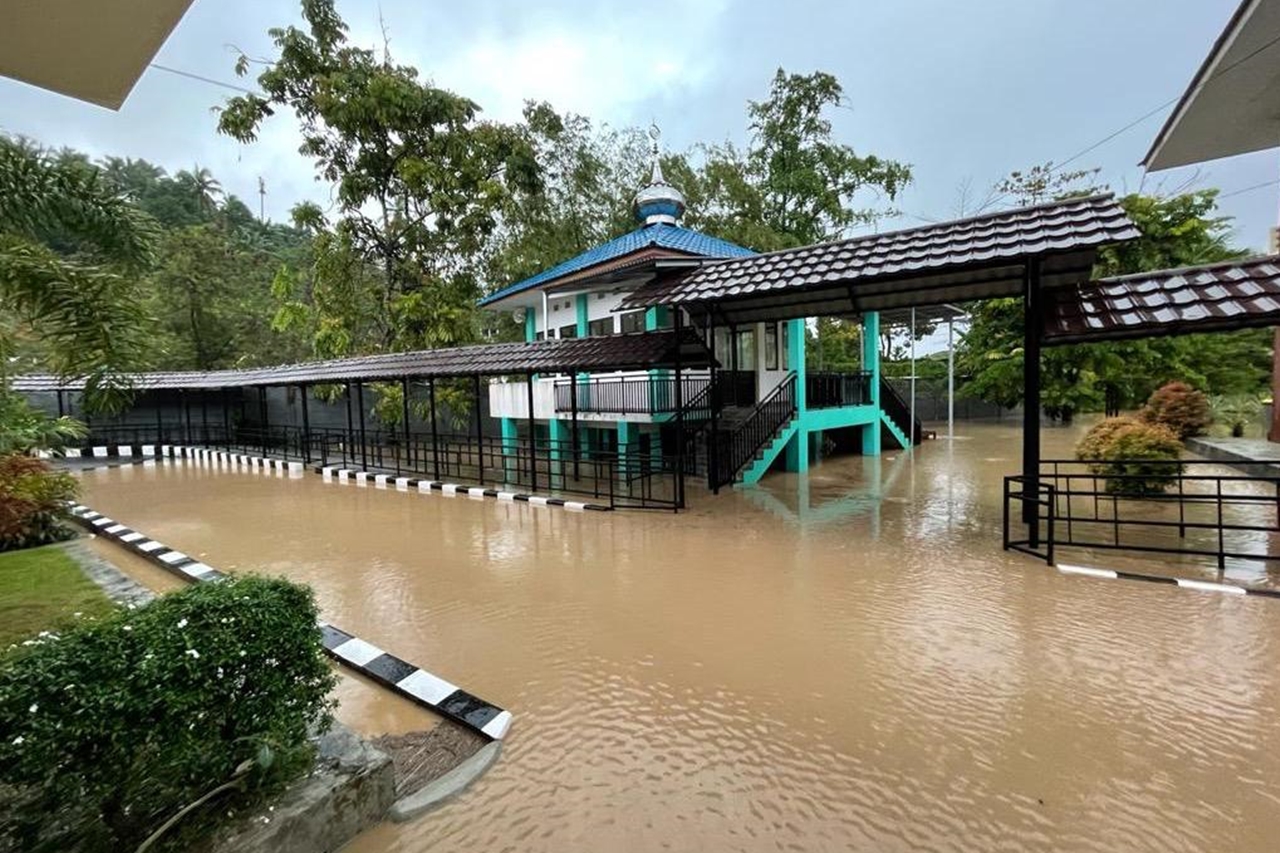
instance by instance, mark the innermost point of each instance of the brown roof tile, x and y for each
(1216, 297)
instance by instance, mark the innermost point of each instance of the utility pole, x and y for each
(262, 199)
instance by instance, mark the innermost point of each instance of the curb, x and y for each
(178, 451)
(406, 679)
(1183, 583)
(332, 473)
(457, 780)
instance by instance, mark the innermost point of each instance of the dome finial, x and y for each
(658, 201)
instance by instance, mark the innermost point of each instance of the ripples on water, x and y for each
(847, 662)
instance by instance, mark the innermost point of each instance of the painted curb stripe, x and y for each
(1181, 583)
(364, 657)
(455, 489)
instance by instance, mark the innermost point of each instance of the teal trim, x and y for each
(754, 471)
(584, 305)
(654, 318)
(871, 363)
(627, 435)
(509, 432)
(898, 435)
(530, 325)
(795, 359)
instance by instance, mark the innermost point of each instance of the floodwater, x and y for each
(845, 661)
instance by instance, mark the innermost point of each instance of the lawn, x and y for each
(41, 588)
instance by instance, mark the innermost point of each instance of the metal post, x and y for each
(533, 444)
(351, 437)
(61, 407)
(573, 429)
(364, 441)
(475, 389)
(435, 443)
(679, 330)
(911, 428)
(186, 413)
(226, 419)
(713, 400)
(204, 416)
(159, 420)
(408, 436)
(951, 379)
(1031, 402)
(262, 407)
(306, 427)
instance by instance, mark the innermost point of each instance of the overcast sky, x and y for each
(965, 92)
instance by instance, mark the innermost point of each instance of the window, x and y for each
(770, 346)
(745, 341)
(600, 328)
(569, 331)
(538, 336)
(632, 321)
(786, 345)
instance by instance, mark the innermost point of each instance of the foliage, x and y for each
(42, 588)
(114, 725)
(24, 429)
(1234, 412)
(420, 184)
(70, 251)
(1137, 458)
(33, 502)
(833, 344)
(1180, 408)
(1177, 231)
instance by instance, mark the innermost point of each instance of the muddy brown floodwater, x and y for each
(847, 662)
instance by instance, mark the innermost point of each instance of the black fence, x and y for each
(734, 449)
(833, 390)
(628, 477)
(639, 395)
(1156, 509)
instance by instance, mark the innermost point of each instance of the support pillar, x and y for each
(871, 366)
(435, 434)
(364, 442)
(510, 443)
(350, 445)
(408, 435)
(1031, 402)
(533, 438)
(951, 379)
(573, 415)
(306, 426)
(475, 393)
(262, 408)
(186, 415)
(679, 377)
(627, 435)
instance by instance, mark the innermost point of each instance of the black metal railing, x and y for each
(899, 411)
(833, 390)
(1185, 508)
(735, 448)
(626, 394)
(621, 478)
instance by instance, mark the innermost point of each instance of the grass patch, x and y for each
(40, 589)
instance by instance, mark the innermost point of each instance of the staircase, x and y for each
(897, 414)
(748, 438)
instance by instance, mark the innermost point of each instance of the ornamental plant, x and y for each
(33, 502)
(1181, 408)
(1137, 458)
(112, 728)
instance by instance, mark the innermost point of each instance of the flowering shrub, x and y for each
(111, 728)
(1137, 458)
(33, 502)
(1181, 408)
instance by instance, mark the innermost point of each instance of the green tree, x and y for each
(71, 249)
(420, 181)
(1177, 231)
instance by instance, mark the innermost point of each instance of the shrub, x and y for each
(33, 502)
(1137, 458)
(111, 728)
(1181, 408)
(1235, 413)
(23, 429)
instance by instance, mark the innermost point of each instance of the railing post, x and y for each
(408, 436)
(435, 437)
(713, 398)
(475, 387)
(306, 427)
(573, 424)
(364, 443)
(533, 444)
(349, 444)
(1005, 507)
(678, 321)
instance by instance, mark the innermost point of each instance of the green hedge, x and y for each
(1138, 459)
(111, 728)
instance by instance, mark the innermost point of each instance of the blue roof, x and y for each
(661, 235)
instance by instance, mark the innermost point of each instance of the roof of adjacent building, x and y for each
(1232, 105)
(636, 351)
(975, 258)
(1216, 297)
(679, 241)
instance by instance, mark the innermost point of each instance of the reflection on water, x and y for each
(839, 661)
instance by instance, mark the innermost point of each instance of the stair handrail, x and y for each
(892, 404)
(737, 448)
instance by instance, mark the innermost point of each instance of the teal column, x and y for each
(530, 325)
(509, 443)
(627, 433)
(796, 453)
(653, 319)
(557, 441)
(871, 364)
(584, 325)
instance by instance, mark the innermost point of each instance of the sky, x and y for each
(964, 92)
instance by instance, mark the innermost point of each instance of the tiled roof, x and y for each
(973, 258)
(659, 235)
(636, 351)
(1217, 297)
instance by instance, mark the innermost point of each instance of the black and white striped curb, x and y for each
(209, 455)
(401, 677)
(1182, 583)
(332, 473)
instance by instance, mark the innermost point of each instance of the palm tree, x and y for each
(202, 186)
(70, 251)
